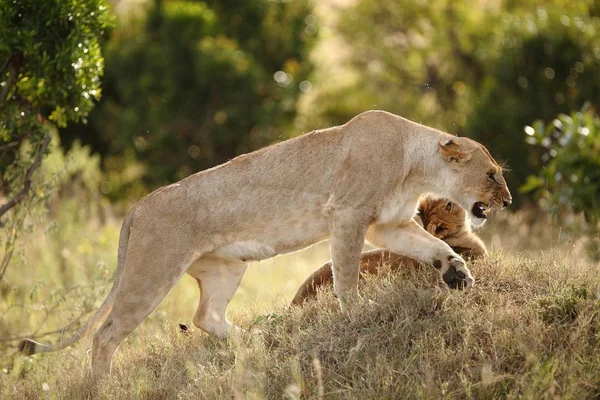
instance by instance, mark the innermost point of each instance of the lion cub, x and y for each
(441, 218)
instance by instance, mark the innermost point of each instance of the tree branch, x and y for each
(15, 67)
(27, 184)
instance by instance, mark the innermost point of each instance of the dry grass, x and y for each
(529, 329)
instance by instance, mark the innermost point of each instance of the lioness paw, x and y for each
(454, 272)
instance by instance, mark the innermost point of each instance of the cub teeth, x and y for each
(485, 208)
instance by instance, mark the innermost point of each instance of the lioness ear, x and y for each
(452, 152)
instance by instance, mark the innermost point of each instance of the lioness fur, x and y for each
(359, 180)
(441, 218)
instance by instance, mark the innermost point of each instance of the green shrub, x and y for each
(548, 64)
(569, 181)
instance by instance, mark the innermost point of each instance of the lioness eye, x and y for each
(492, 176)
(449, 206)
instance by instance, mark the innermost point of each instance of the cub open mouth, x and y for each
(479, 210)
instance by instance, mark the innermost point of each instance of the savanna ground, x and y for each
(529, 328)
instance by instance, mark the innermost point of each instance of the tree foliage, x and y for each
(193, 84)
(50, 69)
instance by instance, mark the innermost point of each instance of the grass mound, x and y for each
(530, 328)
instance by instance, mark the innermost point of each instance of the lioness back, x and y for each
(290, 184)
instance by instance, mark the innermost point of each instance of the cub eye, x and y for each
(439, 228)
(492, 176)
(449, 206)
(419, 211)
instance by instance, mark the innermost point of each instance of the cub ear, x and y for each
(452, 152)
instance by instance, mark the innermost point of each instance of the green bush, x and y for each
(51, 61)
(569, 181)
(50, 69)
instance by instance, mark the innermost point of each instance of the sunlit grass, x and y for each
(529, 329)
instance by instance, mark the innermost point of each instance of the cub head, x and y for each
(441, 217)
(476, 179)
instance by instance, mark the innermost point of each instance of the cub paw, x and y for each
(454, 272)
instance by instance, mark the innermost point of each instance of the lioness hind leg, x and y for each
(218, 279)
(138, 295)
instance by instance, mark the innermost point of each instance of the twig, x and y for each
(9, 145)
(27, 184)
(15, 200)
(18, 139)
(36, 336)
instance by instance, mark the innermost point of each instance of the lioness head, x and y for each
(441, 217)
(478, 184)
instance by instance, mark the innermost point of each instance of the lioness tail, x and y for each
(29, 347)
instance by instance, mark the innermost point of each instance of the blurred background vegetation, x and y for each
(103, 101)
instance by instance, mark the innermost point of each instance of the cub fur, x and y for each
(449, 222)
(361, 180)
(441, 217)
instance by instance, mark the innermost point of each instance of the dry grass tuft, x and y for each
(530, 328)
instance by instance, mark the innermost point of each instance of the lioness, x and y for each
(359, 180)
(442, 218)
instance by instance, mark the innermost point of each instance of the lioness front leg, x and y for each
(412, 240)
(347, 228)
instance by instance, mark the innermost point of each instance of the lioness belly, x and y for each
(249, 250)
(271, 239)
